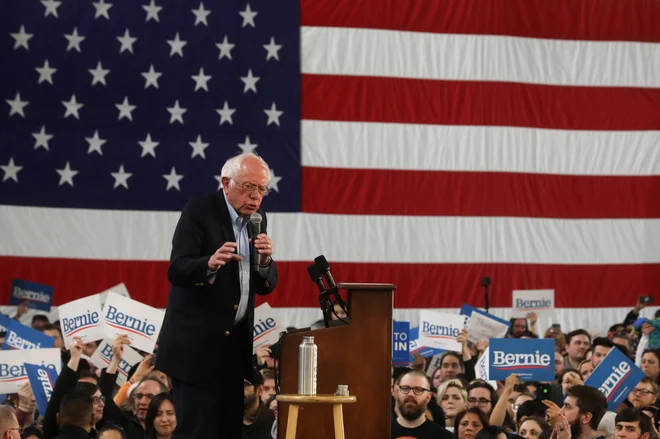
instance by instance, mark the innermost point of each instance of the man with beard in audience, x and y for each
(583, 408)
(413, 393)
(630, 423)
(257, 418)
(577, 343)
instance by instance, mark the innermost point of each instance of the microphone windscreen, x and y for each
(255, 218)
(322, 263)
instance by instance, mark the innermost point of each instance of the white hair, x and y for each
(234, 164)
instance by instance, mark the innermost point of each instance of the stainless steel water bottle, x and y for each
(307, 362)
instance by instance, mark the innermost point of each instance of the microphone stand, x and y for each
(485, 282)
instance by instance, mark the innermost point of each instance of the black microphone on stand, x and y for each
(255, 221)
(485, 282)
(323, 266)
(315, 275)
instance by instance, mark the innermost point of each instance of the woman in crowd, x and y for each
(161, 419)
(452, 398)
(586, 368)
(520, 400)
(469, 423)
(531, 428)
(569, 378)
(651, 364)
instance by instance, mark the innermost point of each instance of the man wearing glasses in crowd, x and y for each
(413, 393)
(9, 424)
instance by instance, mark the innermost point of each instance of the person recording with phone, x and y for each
(221, 258)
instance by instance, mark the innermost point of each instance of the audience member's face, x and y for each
(269, 389)
(572, 413)
(559, 364)
(12, 428)
(578, 347)
(143, 395)
(338, 312)
(512, 402)
(99, 405)
(38, 324)
(165, 421)
(520, 401)
(599, 353)
(530, 429)
(59, 342)
(650, 365)
(251, 396)
(89, 348)
(642, 395)
(412, 406)
(469, 427)
(449, 368)
(565, 383)
(622, 341)
(452, 402)
(519, 326)
(586, 369)
(110, 434)
(627, 430)
(480, 397)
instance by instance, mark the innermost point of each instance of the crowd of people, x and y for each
(451, 401)
(446, 402)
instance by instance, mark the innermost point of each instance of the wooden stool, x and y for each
(296, 400)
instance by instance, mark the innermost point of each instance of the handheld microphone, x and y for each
(323, 266)
(315, 275)
(255, 220)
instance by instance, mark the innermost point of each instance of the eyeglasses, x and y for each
(643, 392)
(251, 188)
(416, 390)
(98, 399)
(482, 402)
(139, 396)
(18, 429)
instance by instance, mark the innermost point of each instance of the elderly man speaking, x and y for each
(205, 345)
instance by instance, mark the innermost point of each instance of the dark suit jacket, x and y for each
(199, 314)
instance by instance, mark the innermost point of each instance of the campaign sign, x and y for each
(42, 380)
(481, 369)
(531, 359)
(117, 289)
(34, 295)
(482, 326)
(140, 322)
(536, 301)
(4, 322)
(12, 369)
(82, 318)
(103, 357)
(21, 337)
(416, 348)
(266, 327)
(400, 345)
(616, 376)
(439, 330)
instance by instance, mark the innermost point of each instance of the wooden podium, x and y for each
(359, 355)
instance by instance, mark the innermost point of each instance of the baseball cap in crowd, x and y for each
(257, 378)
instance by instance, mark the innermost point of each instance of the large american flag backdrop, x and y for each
(423, 143)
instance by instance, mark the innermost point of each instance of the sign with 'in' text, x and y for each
(616, 376)
(21, 337)
(140, 322)
(266, 327)
(34, 295)
(103, 356)
(400, 345)
(82, 318)
(439, 330)
(531, 359)
(42, 380)
(12, 369)
(536, 301)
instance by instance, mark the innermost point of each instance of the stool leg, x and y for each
(292, 422)
(339, 421)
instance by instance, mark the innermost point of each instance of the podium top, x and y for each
(316, 399)
(365, 286)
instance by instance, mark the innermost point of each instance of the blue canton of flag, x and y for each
(136, 105)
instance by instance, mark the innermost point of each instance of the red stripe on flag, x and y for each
(394, 192)
(554, 19)
(420, 101)
(419, 285)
